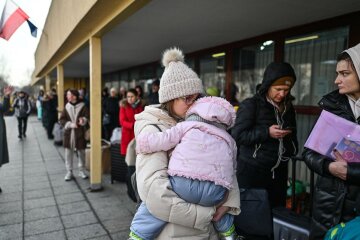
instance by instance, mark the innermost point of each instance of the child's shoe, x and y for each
(133, 236)
(229, 234)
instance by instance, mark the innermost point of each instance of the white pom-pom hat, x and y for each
(178, 80)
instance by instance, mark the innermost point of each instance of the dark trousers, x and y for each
(22, 125)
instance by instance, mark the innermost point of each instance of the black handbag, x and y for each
(255, 217)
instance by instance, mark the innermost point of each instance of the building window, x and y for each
(212, 71)
(249, 66)
(313, 57)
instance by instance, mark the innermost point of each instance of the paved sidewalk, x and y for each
(37, 203)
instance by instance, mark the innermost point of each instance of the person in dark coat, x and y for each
(154, 95)
(111, 108)
(4, 107)
(265, 134)
(337, 195)
(22, 108)
(50, 111)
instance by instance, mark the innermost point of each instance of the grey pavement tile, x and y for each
(11, 188)
(11, 232)
(40, 213)
(69, 198)
(57, 235)
(35, 179)
(118, 224)
(75, 207)
(10, 197)
(36, 185)
(85, 232)
(40, 193)
(39, 202)
(43, 226)
(120, 235)
(11, 218)
(105, 237)
(66, 189)
(79, 219)
(10, 207)
(113, 213)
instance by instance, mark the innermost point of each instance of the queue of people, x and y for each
(194, 152)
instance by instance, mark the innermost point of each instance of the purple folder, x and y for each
(328, 131)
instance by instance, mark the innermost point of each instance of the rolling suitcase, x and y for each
(118, 165)
(288, 225)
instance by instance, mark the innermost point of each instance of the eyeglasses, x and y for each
(190, 99)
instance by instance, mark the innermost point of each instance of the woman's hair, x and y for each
(141, 91)
(133, 91)
(74, 92)
(168, 107)
(344, 56)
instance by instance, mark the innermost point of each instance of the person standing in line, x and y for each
(22, 108)
(39, 104)
(111, 109)
(337, 195)
(74, 119)
(50, 103)
(127, 113)
(265, 133)
(4, 107)
(154, 95)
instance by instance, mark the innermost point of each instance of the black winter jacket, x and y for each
(251, 132)
(335, 200)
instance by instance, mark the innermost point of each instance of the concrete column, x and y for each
(95, 114)
(60, 87)
(47, 83)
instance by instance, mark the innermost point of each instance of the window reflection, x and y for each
(249, 65)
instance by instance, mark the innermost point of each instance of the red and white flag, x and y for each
(11, 19)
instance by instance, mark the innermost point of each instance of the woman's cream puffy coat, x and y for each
(186, 221)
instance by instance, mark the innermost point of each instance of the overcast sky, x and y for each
(17, 54)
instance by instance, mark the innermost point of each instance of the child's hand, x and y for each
(220, 211)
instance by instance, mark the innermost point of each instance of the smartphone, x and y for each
(288, 128)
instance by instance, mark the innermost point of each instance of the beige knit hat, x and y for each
(354, 53)
(178, 80)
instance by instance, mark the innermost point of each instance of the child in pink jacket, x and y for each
(202, 164)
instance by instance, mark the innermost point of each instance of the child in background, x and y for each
(202, 164)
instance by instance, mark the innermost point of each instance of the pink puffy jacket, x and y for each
(202, 151)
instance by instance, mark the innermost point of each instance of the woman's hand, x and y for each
(276, 132)
(339, 167)
(220, 211)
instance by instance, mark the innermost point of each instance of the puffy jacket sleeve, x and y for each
(317, 162)
(159, 141)
(245, 130)
(233, 201)
(155, 190)
(353, 174)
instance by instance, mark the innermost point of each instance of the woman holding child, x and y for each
(179, 88)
